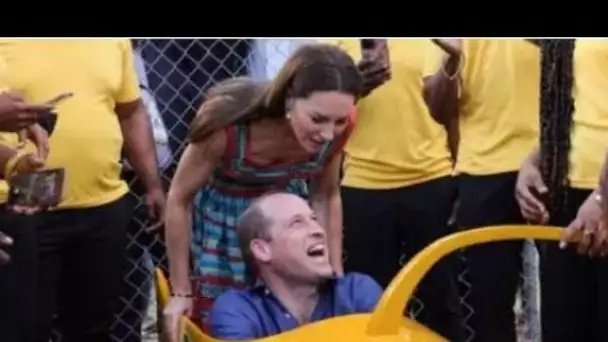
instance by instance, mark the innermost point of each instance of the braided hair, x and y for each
(556, 108)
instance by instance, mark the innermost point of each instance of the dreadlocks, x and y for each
(556, 108)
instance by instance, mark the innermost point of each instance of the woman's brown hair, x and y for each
(311, 68)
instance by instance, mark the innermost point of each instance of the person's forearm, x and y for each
(441, 91)
(329, 212)
(140, 146)
(453, 131)
(534, 157)
(177, 235)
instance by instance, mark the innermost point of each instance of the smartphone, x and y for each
(40, 189)
(367, 44)
(375, 49)
(48, 122)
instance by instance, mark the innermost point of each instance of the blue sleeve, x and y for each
(233, 318)
(366, 292)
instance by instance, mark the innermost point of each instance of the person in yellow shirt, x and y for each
(491, 86)
(561, 184)
(80, 244)
(397, 189)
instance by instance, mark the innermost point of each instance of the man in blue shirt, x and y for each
(282, 241)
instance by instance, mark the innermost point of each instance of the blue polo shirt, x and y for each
(256, 313)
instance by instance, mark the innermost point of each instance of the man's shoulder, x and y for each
(234, 315)
(358, 292)
(356, 279)
(242, 303)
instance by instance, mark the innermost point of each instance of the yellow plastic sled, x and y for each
(386, 323)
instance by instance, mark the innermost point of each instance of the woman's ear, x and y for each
(289, 102)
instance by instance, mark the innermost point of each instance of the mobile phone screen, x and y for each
(36, 189)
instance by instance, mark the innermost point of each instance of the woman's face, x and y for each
(320, 117)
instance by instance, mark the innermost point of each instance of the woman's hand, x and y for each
(588, 230)
(175, 309)
(528, 192)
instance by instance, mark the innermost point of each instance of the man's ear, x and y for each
(260, 250)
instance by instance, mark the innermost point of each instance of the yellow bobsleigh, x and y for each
(387, 322)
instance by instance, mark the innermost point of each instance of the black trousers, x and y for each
(492, 270)
(18, 279)
(137, 278)
(574, 288)
(385, 228)
(81, 255)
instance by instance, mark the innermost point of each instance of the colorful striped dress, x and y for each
(218, 264)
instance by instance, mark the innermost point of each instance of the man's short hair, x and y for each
(253, 224)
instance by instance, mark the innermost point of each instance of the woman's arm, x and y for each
(193, 171)
(327, 204)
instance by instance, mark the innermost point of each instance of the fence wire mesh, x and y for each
(174, 74)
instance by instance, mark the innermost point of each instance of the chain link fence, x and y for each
(174, 75)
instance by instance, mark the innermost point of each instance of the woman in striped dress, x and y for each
(247, 139)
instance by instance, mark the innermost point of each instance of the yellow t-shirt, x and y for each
(87, 139)
(589, 139)
(4, 83)
(499, 105)
(396, 142)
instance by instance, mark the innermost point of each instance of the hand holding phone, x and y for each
(48, 122)
(375, 64)
(36, 189)
(375, 50)
(46, 117)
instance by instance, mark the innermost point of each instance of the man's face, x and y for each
(298, 244)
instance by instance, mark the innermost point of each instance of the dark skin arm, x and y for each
(453, 130)
(141, 151)
(440, 90)
(139, 142)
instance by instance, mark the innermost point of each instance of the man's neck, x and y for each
(298, 299)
